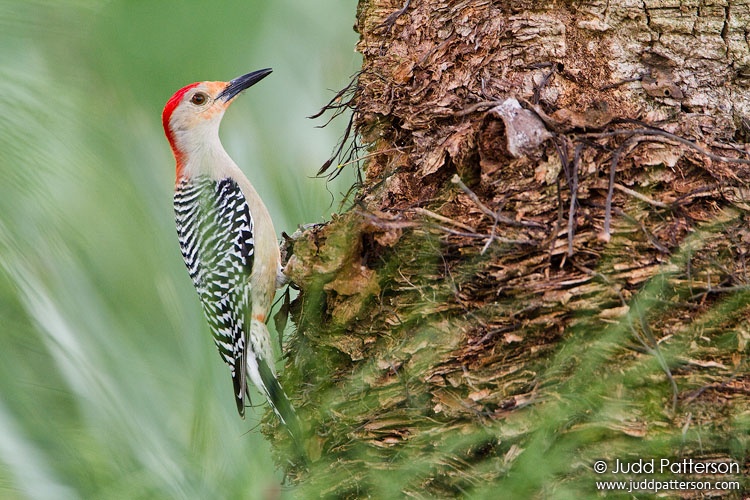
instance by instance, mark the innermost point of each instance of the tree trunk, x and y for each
(545, 263)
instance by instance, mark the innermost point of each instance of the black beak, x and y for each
(242, 83)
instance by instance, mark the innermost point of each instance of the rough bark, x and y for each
(546, 260)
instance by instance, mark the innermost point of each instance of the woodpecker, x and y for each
(227, 238)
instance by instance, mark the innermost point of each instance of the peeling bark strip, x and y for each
(578, 292)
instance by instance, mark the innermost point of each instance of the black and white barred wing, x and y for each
(215, 230)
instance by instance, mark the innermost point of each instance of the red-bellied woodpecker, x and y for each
(226, 237)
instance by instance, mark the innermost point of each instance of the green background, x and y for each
(110, 386)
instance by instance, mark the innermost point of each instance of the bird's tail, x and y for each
(279, 401)
(262, 375)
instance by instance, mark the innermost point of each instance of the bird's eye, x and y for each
(199, 99)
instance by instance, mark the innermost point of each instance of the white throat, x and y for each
(203, 152)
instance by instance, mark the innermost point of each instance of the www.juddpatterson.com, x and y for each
(665, 466)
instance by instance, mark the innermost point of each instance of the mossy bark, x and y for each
(546, 261)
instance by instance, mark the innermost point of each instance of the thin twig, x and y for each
(391, 19)
(476, 106)
(483, 236)
(573, 197)
(490, 239)
(442, 218)
(545, 80)
(704, 190)
(485, 210)
(629, 144)
(339, 149)
(471, 194)
(732, 378)
(669, 135)
(563, 157)
(370, 155)
(720, 289)
(622, 82)
(642, 197)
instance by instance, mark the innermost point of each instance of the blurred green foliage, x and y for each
(110, 386)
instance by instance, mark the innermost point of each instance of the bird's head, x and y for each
(192, 115)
